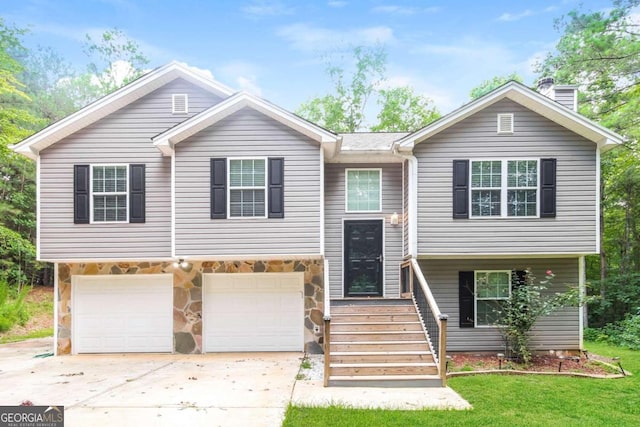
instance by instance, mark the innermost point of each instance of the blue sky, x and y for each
(275, 47)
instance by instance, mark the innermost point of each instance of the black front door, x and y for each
(363, 258)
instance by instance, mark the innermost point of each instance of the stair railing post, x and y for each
(442, 357)
(327, 354)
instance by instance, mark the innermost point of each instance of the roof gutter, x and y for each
(412, 191)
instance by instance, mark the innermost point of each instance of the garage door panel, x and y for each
(125, 313)
(253, 312)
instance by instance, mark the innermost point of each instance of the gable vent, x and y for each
(180, 103)
(505, 123)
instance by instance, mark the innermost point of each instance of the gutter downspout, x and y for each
(412, 191)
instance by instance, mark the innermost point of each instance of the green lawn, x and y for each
(510, 401)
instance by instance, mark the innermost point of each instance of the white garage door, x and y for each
(253, 312)
(123, 313)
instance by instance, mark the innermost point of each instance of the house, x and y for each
(182, 216)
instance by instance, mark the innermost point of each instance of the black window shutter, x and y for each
(547, 188)
(461, 188)
(219, 188)
(276, 187)
(137, 193)
(466, 300)
(81, 194)
(520, 278)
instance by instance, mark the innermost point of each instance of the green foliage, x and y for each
(403, 111)
(527, 303)
(488, 85)
(622, 297)
(115, 60)
(344, 110)
(12, 307)
(624, 333)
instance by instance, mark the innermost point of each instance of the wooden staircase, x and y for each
(379, 342)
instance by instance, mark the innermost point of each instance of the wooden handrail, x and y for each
(427, 291)
(327, 323)
(441, 319)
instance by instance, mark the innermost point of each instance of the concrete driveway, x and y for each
(226, 389)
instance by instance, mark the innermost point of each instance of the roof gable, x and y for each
(546, 107)
(108, 104)
(166, 141)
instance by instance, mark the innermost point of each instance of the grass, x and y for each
(39, 306)
(510, 401)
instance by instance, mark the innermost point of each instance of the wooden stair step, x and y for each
(377, 336)
(372, 309)
(385, 381)
(392, 352)
(375, 326)
(357, 369)
(378, 345)
(374, 317)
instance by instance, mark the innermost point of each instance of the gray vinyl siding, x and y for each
(572, 231)
(122, 137)
(335, 215)
(558, 331)
(566, 97)
(248, 134)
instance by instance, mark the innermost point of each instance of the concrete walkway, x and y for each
(223, 389)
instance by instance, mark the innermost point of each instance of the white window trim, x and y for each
(504, 188)
(475, 294)
(346, 189)
(511, 119)
(91, 193)
(186, 103)
(265, 188)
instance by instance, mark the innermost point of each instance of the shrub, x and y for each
(526, 304)
(624, 333)
(12, 307)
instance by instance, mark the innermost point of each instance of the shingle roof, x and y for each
(370, 141)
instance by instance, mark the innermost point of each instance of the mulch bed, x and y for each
(470, 363)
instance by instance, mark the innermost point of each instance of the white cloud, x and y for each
(511, 17)
(508, 17)
(403, 10)
(309, 38)
(337, 3)
(202, 71)
(243, 74)
(259, 8)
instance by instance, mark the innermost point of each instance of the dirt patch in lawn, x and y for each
(585, 364)
(39, 303)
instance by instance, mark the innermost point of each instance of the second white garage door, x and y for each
(253, 312)
(122, 313)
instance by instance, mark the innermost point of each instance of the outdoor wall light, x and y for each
(394, 219)
(180, 263)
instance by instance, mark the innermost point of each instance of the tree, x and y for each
(344, 110)
(600, 51)
(488, 85)
(17, 183)
(403, 111)
(115, 60)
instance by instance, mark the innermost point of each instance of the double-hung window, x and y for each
(247, 188)
(109, 193)
(504, 188)
(363, 187)
(492, 288)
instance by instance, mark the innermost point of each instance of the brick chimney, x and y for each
(566, 95)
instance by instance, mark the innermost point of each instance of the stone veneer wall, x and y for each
(187, 294)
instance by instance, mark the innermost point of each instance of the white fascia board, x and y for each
(231, 105)
(528, 98)
(110, 103)
(513, 255)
